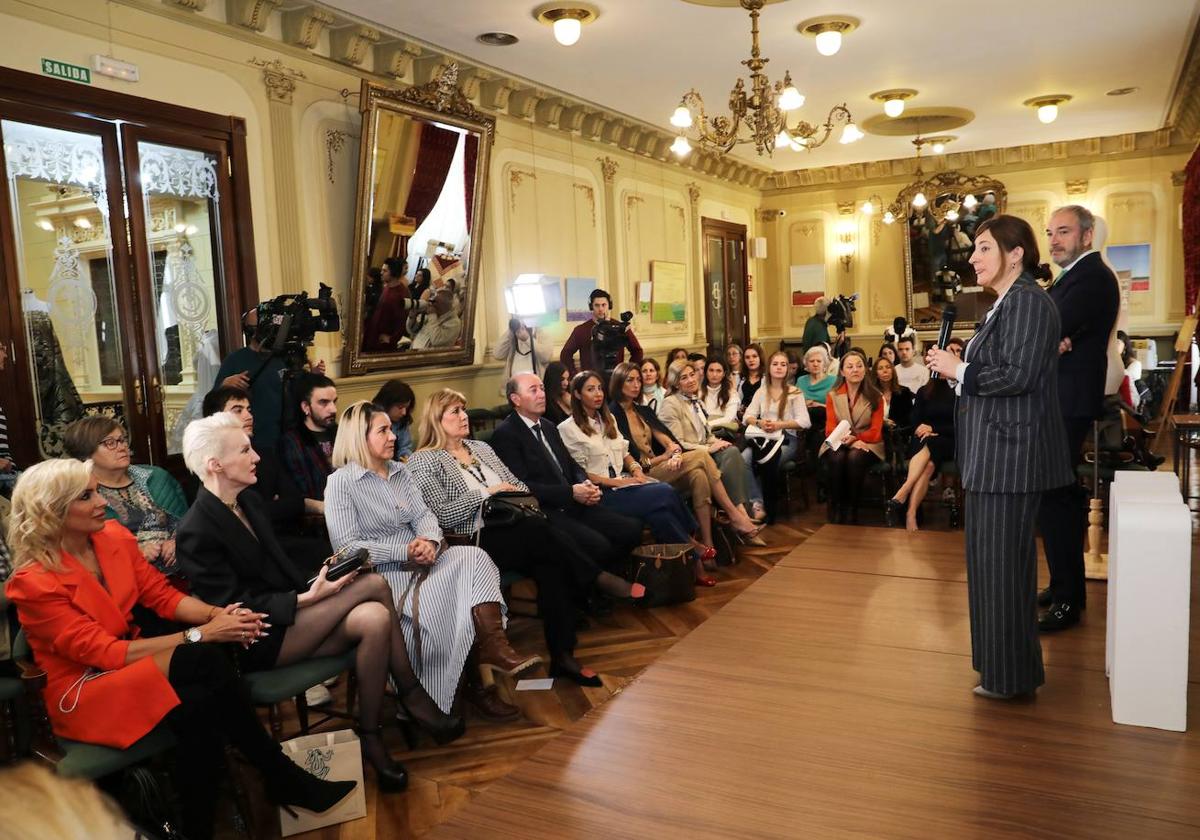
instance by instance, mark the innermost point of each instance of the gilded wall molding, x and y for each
(335, 141)
(631, 203)
(693, 191)
(608, 168)
(1077, 187)
(280, 80)
(190, 5)
(678, 208)
(350, 44)
(516, 177)
(252, 14)
(302, 27)
(590, 195)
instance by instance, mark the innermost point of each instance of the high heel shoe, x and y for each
(422, 711)
(892, 510)
(707, 555)
(704, 580)
(391, 774)
(750, 539)
(495, 652)
(291, 787)
(577, 677)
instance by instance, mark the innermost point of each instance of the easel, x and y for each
(1183, 348)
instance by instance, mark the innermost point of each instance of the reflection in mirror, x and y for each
(424, 173)
(942, 219)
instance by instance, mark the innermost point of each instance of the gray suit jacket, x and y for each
(1010, 432)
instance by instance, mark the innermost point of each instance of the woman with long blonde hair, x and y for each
(77, 578)
(448, 598)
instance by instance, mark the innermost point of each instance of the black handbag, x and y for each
(666, 572)
(345, 562)
(505, 509)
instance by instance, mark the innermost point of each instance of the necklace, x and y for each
(474, 468)
(233, 506)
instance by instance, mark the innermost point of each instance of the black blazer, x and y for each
(520, 450)
(1087, 298)
(650, 419)
(902, 407)
(225, 564)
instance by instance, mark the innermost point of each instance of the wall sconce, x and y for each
(845, 243)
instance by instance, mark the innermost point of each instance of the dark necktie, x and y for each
(537, 431)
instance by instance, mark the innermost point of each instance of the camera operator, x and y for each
(617, 332)
(256, 369)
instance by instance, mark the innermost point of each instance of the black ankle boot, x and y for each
(291, 787)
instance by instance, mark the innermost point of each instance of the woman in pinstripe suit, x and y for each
(1011, 447)
(448, 599)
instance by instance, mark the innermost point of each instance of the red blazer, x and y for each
(78, 628)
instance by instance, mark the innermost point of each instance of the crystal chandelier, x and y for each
(758, 116)
(943, 194)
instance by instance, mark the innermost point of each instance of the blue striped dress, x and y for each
(362, 510)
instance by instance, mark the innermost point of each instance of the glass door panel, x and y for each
(64, 243)
(735, 251)
(714, 284)
(180, 253)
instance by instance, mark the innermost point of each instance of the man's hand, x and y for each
(586, 493)
(1064, 346)
(238, 380)
(422, 551)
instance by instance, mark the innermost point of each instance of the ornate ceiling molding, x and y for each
(280, 80)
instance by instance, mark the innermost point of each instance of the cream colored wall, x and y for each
(1136, 196)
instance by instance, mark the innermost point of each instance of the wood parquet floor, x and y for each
(619, 647)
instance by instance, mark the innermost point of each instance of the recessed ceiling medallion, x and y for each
(918, 121)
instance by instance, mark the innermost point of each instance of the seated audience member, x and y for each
(931, 447)
(887, 350)
(396, 397)
(591, 437)
(230, 554)
(733, 364)
(691, 471)
(285, 506)
(697, 361)
(38, 802)
(457, 476)
(794, 366)
(779, 415)
(372, 502)
(530, 446)
(307, 448)
(557, 382)
(652, 390)
(814, 385)
(897, 400)
(677, 354)
(442, 327)
(753, 363)
(910, 373)
(856, 400)
(683, 414)
(145, 499)
(76, 578)
(720, 397)
(421, 283)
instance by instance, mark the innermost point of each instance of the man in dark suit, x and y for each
(1087, 297)
(532, 448)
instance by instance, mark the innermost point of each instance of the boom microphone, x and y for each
(948, 315)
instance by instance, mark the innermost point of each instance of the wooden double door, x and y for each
(126, 259)
(725, 284)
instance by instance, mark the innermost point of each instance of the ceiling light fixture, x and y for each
(1125, 91)
(1047, 106)
(938, 144)
(45, 224)
(760, 114)
(893, 100)
(928, 194)
(497, 39)
(567, 20)
(828, 31)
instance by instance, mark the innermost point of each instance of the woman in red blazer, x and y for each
(77, 578)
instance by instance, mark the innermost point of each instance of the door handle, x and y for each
(158, 391)
(137, 393)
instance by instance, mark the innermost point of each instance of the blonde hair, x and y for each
(40, 501)
(671, 380)
(207, 439)
(430, 434)
(39, 803)
(350, 444)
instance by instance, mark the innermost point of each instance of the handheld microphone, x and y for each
(948, 315)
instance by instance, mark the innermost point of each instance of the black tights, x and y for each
(847, 472)
(214, 707)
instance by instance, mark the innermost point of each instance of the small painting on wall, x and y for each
(807, 284)
(578, 289)
(1134, 259)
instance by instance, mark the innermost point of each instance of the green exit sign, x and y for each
(70, 72)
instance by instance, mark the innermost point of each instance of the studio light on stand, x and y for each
(525, 300)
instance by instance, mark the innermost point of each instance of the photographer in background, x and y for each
(519, 348)
(258, 370)
(611, 331)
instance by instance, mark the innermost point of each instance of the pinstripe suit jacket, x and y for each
(1010, 432)
(438, 475)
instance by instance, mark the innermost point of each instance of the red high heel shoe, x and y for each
(706, 581)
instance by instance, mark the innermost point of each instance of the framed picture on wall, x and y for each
(1134, 259)
(578, 289)
(668, 294)
(807, 283)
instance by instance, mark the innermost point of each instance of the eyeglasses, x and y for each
(113, 444)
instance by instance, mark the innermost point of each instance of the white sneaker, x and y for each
(318, 695)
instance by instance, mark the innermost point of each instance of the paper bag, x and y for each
(333, 756)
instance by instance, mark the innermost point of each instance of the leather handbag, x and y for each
(505, 509)
(666, 572)
(345, 562)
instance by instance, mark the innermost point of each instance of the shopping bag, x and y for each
(334, 756)
(666, 572)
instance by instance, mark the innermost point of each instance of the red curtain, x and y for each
(470, 155)
(1191, 232)
(433, 162)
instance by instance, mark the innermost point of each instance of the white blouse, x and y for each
(727, 418)
(479, 476)
(794, 409)
(597, 454)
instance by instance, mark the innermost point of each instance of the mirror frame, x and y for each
(440, 100)
(939, 184)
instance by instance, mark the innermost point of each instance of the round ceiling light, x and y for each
(1047, 106)
(497, 39)
(828, 31)
(567, 17)
(893, 100)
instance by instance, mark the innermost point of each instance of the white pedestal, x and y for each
(1149, 590)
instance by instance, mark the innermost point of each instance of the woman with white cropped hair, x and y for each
(448, 598)
(230, 554)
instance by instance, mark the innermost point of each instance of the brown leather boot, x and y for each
(486, 701)
(495, 653)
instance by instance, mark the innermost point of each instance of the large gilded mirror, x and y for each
(943, 213)
(422, 189)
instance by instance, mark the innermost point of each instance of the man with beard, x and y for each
(307, 449)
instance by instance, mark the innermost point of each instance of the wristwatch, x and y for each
(192, 635)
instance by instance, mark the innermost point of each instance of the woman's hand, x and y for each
(813, 404)
(167, 551)
(503, 487)
(422, 552)
(923, 431)
(323, 587)
(235, 623)
(718, 445)
(151, 550)
(850, 439)
(858, 444)
(943, 362)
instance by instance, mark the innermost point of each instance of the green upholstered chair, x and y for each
(11, 690)
(289, 682)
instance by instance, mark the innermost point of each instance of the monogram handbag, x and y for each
(505, 509)
(666, 572)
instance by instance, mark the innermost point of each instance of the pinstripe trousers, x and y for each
(1002, 590)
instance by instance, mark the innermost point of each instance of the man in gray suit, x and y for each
(1011, 447)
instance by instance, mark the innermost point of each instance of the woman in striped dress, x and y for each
(448, 599)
